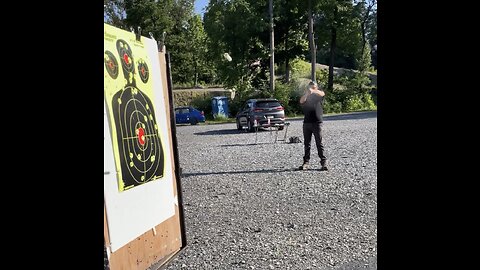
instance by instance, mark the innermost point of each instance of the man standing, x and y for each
(312, 105)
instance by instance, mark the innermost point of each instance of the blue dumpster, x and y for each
(219, 106)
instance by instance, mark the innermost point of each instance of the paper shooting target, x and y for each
(126, 58)
(143, 70)
(111, 64)
(140, 147)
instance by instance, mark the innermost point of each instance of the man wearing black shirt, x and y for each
(312, 105)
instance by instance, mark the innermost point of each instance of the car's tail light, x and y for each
(279, 108)
(257, 110)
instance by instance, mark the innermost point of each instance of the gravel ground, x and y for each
(247, 208)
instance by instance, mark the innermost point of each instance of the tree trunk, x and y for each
(333, 46)
(287, 60)
(194, 70)
(311, 40)
(272, 62)
(364, 38)
(287, 70)
(364, 24)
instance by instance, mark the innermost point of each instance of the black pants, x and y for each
(316, 130)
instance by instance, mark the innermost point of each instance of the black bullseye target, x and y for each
(140, 147)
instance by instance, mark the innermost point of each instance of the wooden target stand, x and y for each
(156, 247)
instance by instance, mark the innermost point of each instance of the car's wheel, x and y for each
(238, 125)
(250, 126)
(193, 121)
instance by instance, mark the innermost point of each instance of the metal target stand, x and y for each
(270, 126)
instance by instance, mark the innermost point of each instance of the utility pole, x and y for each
(311, 40)
(272, 71)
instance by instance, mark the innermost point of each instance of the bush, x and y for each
(373, 94)
(331, 106)
(369, 102)
(322, 77)
(294, 107)
(300, 69)
(351, 92)
(220, 118)
(282, 93)
(203, 104)
(359, 102)
(353, 103)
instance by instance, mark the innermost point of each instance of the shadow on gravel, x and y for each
(350, 116)
(371, 264)
(230, 131)
(251, 144)
(220, 132)
(241, 172)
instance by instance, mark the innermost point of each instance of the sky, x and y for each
(200, 5)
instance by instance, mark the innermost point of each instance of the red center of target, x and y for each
(110, 64)
(143, 71)
(125, 58)
(141, 136)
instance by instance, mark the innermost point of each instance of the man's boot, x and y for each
(323, 162)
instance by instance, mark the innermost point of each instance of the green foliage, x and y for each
(290, 34)
(300, 69)
(185, 37)
(190, 63)
(294, 107)
(350, 94)
(365, 61)
(331, 106)
(353, 103)
(370, 101)
(220, 118)
(322, 76)
(359, 102)
(203, 104)
(241, 28)
(283, 94)
(114, 13)
(347, 25)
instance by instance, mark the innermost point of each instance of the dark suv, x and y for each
(263, 112)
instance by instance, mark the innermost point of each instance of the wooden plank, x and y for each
(154, 245)
(149, 248)
(163, 65)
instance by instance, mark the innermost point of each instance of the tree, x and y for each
(114, 13)
(150, 15)
(372, 36)
(367, 10)
(185, 38)
(290, 21)
(240, 28)
(311, 8)
(337, 26)
(201, 68)
(311, 40)
(365, 60)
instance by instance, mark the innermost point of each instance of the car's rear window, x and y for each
(267, 104)
(182, 110)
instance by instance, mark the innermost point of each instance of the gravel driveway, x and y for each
(247, 208)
